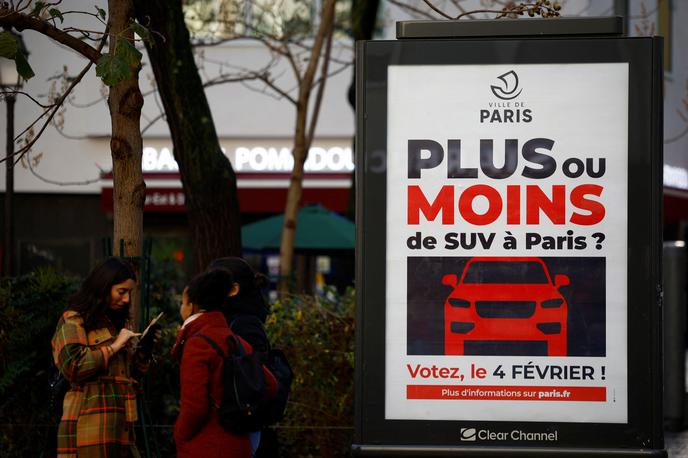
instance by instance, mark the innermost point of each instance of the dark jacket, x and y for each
(197, 431)
(251, 329)
(245, 314)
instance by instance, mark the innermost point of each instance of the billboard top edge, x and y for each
(589, 26)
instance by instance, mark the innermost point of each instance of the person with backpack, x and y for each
(92, 350)
(246, 310)
(204, 344)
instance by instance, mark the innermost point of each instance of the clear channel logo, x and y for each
(506, 90)
(473, 435)
(468, 434)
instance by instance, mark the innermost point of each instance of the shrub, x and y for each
(317, 335)
(29, 309)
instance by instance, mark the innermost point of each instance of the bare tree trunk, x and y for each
(207, 176)
(302, 140)
(125, 102)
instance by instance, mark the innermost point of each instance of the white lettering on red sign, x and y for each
(261, 159)
(164, 199)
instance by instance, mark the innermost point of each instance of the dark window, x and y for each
(66, 256)
(505, 272)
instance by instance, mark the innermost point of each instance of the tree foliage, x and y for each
(29, 309)
(9, 49)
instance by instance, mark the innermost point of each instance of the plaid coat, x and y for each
(99, 410)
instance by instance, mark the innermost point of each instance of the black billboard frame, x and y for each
(642, 435)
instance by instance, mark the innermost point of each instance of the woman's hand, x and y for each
(150, 340)
(122, 339)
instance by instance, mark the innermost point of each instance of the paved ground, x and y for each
(677, 444)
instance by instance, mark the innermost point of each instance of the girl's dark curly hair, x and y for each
(209, 290)
(92, 301)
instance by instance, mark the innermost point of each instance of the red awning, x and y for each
(258, 192)
(675, 206)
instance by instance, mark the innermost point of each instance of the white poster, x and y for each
(506, 243)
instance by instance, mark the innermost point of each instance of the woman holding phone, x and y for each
(93, 350)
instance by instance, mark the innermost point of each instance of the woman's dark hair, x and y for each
(250, 298)
(210, 289)
(92, 301)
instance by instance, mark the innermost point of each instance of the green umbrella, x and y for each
(317, 228)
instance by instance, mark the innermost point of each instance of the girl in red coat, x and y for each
(197, 431)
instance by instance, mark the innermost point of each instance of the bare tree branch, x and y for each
(321, 89)
(88, 104)
(409, 7)
(20, 21)
(53, 109)
(677, 137)
(331, 74)
(28, 96)
(271, 84)
(508, 9)
(459, 6)
(160, 116)
(437, 10)
(232, 79)
(23, 150)
(86, 13)
(286, 52)
(31, 164)
(264, 91)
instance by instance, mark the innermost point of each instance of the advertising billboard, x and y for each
(508, 246)
(504, 216)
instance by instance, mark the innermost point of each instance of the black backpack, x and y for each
(244, 407)
(274, 359)
(243, 391)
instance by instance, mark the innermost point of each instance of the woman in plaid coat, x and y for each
(90, 349)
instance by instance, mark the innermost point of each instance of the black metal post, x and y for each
(621, 9)
(8, 250)
(674, 335)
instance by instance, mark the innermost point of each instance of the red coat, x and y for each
(197, 431)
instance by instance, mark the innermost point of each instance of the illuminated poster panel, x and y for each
(506, 242)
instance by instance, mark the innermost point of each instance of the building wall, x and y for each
(242, 112)
(63, 230)
(248, 112)
(64, 202)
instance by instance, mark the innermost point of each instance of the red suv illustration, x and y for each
(505, 306)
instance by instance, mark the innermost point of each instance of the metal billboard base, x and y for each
(489, 452)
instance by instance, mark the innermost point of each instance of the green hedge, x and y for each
(315, 333)
(29, 309)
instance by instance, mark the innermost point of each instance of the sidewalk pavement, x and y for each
(677, 443)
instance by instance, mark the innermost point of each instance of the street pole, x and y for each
(8, 254)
